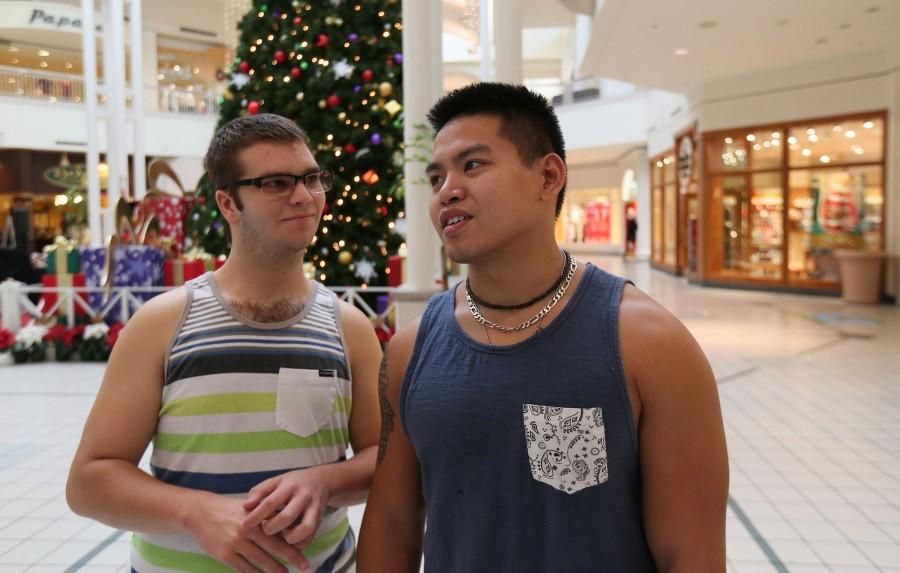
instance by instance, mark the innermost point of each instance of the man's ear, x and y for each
(229, 206)
(553, 171)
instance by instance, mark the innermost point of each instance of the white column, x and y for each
(150, 82)
(485, 40)
(507, 27)
(583, 27)
(89, 57)
(642, 177)
(422, 59)
(137, 102)
(114, 90)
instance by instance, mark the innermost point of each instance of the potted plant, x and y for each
(30, 345)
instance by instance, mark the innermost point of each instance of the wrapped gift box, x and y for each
(62, 257)
(135, 265)
(64, 280)
(170, 214)
(179, 271)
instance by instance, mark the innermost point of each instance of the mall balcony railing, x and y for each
(69, 88)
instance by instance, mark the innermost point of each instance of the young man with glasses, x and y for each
(242, 381)
(544, 415)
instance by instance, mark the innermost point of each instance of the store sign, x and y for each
(67, 176)
(43, 16)
(685, 162)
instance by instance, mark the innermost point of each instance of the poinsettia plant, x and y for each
(29, 345)
(66, 341)
(94, 344)
(7, 339)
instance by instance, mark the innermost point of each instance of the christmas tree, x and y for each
(334, 67)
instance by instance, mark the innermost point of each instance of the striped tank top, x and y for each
(245, 401)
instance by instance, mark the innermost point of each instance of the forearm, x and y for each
(119, 494)
(388, 542)
(349, 481)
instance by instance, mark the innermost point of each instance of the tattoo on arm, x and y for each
(387, 413)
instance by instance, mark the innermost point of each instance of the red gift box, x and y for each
(170, 213)
(395, 276)
(64, 280)
(179, 271)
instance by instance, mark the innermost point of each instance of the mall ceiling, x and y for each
(674, 45)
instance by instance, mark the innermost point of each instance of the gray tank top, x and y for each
(528, 452)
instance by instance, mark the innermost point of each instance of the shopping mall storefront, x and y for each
(767, 206)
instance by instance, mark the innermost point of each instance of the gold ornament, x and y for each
(342, 116)
(345, 258)
(385, 89)
(322, 104)
(228, 95)
(393, 107)
(299, 96)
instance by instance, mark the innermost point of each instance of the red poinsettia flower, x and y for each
(54, 333)
(7, 339)
(73, 334)
(113, 334)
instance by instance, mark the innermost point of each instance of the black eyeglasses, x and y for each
(282, 184)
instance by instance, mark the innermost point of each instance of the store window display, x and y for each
(588, 218)
(783, 198)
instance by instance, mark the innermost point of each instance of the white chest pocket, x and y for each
(566, 446)
(304, 403)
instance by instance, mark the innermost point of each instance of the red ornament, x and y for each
(333, 100)
(382, 211)
(349, 149)
(280, 56)
(322, 41)
(368, 76)
(244, 67)
(253, 107)
(297, 20)
(326, 209)
(295, 72)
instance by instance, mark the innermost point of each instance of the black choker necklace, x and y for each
(526, 304)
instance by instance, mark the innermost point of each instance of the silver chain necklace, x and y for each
(557, 296)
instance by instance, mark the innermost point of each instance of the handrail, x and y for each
(60, 87)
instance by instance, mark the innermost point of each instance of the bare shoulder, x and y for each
(154, 323)
(657, 348)
(353, 320)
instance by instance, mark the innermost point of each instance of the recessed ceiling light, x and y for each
(811, 131)
(43, 53)
(858, 150)
(44, 64)
(681, 52)
(751, 137)
(813, 138)
(13, 49)
(728, 140)
(805, 152)
(868, 125)
(68, 65)
(792, 140)
(825, 159)
(837, 128)
(776, 135)
(850, 134)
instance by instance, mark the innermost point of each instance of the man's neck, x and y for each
(508, 278)
(247, 278)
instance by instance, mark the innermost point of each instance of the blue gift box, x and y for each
(135, 265)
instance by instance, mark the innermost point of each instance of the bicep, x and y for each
(125, 413)
(398, 474)
(364, 356)
(683, 456)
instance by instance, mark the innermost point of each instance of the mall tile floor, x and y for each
(810, 392)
